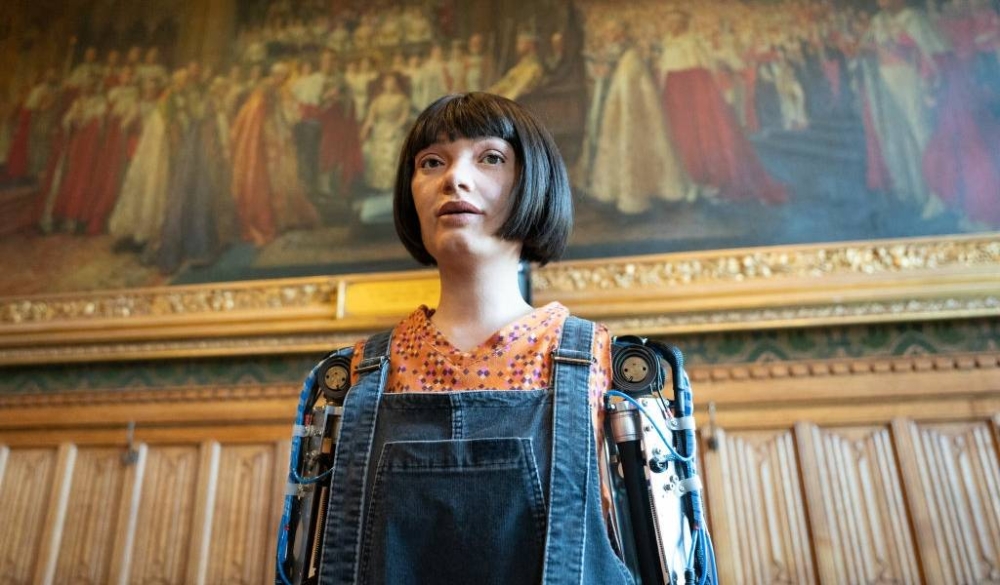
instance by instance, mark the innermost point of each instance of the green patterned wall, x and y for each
(895, 339)
(929, 338)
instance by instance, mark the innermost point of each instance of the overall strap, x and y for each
(571, 455)
(342, 533)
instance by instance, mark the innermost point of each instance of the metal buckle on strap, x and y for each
(567, 356)
(370, 364)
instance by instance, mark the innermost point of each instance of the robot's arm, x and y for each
(657, 521)
(314, 436)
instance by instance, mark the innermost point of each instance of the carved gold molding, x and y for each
(272, 344)
(782, 286)
(170, 302)
(802, 316)
(810, 262)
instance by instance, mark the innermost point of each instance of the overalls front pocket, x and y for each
(455, 511)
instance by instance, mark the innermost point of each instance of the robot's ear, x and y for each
(635, 368)
(334, 377)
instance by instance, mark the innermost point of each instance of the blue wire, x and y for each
(286, 512)
(694, 544)
(308, 480)
(675, 456)
(709, 560)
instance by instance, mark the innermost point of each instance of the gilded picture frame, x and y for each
(671, 294)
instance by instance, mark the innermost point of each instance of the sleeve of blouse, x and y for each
(600, 382)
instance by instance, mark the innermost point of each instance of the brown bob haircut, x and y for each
(541, 214)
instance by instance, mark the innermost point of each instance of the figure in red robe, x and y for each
(962, 159)
(36, 120)
(84, 126)
(340, 160)
(17, 154)
(122, 130)
(269, 196)
(703, 128)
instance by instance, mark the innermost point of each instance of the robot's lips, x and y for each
(457, 207)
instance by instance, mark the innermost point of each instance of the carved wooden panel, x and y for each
(857, 506)
(166, 506)
(25, 488)
(92, 515)
(954, 479)
(241, 516)
(758, 513)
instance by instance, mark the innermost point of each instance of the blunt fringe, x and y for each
(542, 208)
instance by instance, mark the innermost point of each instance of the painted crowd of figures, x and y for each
(177, 165)
(690, 87)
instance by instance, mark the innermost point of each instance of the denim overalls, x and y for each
(478, 487)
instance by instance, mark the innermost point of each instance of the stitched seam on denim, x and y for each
(383, 374)
(369, 536)
(564, 377)
(457, 417)
(349, 416)
(586, 487)
(381, 344)
(538, 509)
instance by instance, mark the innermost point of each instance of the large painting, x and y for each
(181, 141)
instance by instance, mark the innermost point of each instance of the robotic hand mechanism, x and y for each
(656, 522)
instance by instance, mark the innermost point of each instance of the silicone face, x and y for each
(462, 196)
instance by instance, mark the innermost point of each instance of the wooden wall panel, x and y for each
(92, 516)
(857, 509)
(953, 480)
(282, 451)
(242, 514)
(160, 547)
(803, 487)
(758, 514)
(25, 490)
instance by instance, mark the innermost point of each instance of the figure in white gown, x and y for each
(631, 162)
(141, 206)
(898, 78)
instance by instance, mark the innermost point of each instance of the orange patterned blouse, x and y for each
(517, 357)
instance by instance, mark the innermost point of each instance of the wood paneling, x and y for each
(841, 471)
(857, 509)
(953, 478)
(241, 519)
(25, 488)
(88, 532)
(758, 513)
(160, 548)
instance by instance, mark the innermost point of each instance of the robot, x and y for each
(656, 523)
